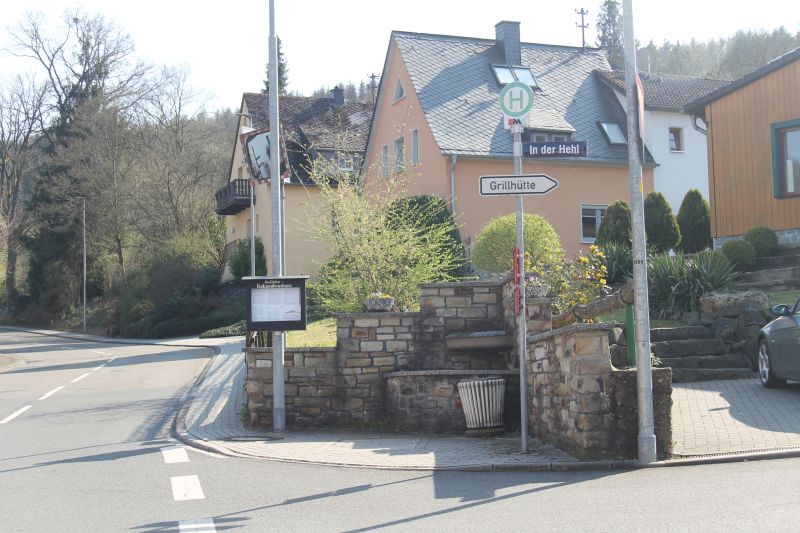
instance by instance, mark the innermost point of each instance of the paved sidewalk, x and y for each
(715, 420)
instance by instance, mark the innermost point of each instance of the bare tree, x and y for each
(21, 123)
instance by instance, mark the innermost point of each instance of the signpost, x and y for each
(529, 184)
(554, 149)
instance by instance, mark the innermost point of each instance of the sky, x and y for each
(225, 46)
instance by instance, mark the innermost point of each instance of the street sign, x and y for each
(516, 99)
(504, 185)
(554, 149)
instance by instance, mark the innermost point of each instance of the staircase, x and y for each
(694, 354)
(775, 273)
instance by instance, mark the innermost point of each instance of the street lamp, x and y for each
(84, 261)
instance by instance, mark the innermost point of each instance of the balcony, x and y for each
(234, 197)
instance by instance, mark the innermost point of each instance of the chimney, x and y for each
(507, 37)
(337, 95)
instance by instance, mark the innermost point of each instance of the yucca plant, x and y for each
(619, 262)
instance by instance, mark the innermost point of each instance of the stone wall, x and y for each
(428, 401)
(786, 237)
(626, 413)
(571, 391)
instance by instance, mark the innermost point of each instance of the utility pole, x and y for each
(522, 324)
(84, 263)
(644, 372)
(372, 86)
(279, 338)
(583, 25)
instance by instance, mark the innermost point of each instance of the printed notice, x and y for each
(275, 304)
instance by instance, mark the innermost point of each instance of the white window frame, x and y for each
(678, 138)
(399, 91)
(598, 218)
(505, 74)
(415, 147)
(610, 130)
(345, 163)
(400, 154)
(385, 161)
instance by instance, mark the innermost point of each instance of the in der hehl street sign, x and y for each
(554, 149)
(531, 184)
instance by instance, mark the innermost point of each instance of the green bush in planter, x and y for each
(494, 245)
(740, 253)
(763, 239)
(694, 221)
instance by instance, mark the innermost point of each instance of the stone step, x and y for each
(688, 375)
(682, 348)
(679, 333)
(478, 340)
(778, 261)
(773, 285)
(773, 274)
(787, 249)
(731, 360)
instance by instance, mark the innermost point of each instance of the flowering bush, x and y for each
(577, 281)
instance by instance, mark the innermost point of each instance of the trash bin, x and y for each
(483, 404)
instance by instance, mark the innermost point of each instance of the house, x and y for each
(313, 129)
(677, 144)
(437, 116)
(754, 151)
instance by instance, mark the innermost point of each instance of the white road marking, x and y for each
(80, 377)
(98, 367)
(186, 488)
(46, 396)
(15, 414)
(205, 525)
(101, 353)
(175, 454)
(110, 360)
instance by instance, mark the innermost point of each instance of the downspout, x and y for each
(453, 160)
(704, 131)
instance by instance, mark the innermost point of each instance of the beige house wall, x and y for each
(579, 184)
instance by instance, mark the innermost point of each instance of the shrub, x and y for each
(616, 225)
(677, 283)
(494, 245)
(740, 253)
(660, 224)
(206, 280)
(240, 259)
(577, 281)
(763, 239)
(424, 212)
(694, 222)
(619, 261)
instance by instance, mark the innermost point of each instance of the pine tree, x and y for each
(609, 33)
(283, 73)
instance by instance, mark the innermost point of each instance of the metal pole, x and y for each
(279, 339)
(84, 264)
(522, 324)
(252, 230)
(644, 374)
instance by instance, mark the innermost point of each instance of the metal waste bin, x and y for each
(483, 403)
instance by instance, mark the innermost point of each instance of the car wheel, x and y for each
(765, 372)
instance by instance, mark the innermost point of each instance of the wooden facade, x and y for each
(740, 153)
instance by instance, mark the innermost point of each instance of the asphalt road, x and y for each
(96, 455)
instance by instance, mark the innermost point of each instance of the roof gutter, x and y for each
(701, 129)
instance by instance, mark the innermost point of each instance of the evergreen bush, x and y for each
(740, 253)
(763, 239)
(662, 229)
(616, 225)
(240, 259)
(694, 222)
(494, 245)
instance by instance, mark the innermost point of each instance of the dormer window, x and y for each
(612, 133)
(549, 136)
(506, 74)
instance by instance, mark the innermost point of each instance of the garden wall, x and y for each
(575, 401)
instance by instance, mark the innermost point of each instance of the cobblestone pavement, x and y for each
(721, 417)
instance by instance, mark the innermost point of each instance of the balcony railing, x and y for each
(234, 197)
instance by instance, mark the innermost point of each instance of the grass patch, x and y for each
(321, 333)
(784, 297)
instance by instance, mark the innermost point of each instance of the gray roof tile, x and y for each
(459, 93)
(665, 92)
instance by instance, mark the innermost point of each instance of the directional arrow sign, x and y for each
(531, 184)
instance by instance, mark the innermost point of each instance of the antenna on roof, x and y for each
(583, 25)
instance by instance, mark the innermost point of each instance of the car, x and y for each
(779, 347)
